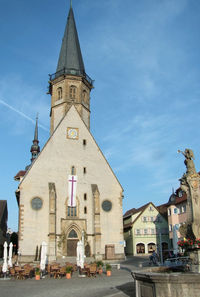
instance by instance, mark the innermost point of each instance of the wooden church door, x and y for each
(72, 241)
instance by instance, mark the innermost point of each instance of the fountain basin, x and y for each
(162, 282)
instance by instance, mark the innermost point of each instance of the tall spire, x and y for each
(35, 148)
(70, 57)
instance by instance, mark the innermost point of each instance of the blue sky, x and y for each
(144, 58)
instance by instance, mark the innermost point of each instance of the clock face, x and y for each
(72, 133)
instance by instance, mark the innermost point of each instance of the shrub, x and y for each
(68, 269)
(37, 271)
(100, 263)
(108, 267)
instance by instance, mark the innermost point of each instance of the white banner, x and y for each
(72, 184)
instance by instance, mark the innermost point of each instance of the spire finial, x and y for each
(70, 58)
(36, 128)
(35, 149)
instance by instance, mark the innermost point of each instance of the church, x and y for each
(69, 188)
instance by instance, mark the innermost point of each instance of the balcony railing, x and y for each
(71, 72)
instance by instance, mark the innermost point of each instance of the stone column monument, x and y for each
(190, 183)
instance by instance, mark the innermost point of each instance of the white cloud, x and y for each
(22, 114)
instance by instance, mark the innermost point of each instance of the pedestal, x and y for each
(195, 258)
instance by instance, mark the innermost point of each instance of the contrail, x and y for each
(22, 114)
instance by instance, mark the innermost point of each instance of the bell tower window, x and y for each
(84, 94)
(59, 93)
(72, 92)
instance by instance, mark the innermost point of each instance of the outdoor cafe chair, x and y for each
(62, 271)
(93, 269)
(12, 272)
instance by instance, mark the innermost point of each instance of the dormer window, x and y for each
(72, 92)
(59, 93)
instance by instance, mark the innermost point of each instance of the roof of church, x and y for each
(70, 53)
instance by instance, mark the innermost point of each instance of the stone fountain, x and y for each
(162, 281)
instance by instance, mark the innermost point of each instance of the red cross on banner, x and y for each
(72, 184)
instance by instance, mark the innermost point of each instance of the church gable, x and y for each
(71, 138)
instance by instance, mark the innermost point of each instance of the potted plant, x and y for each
(100, 266)
(108, 269)
(37, 273)
(68, 272)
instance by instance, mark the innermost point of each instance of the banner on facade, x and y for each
(72, 184)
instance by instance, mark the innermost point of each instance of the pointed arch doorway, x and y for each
(72, 241)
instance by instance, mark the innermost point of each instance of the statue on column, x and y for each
(189, 155)
(190, 184)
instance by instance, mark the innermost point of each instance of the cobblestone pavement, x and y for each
(120, 284)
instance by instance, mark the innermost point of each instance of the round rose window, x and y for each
(106, 205)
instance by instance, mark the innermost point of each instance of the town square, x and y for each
(100, 154)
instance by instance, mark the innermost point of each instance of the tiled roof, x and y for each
(135, 210)
(20, 174)
(163, 209)
(128, 225)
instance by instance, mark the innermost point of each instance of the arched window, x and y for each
(140, 248)
(59, 93)
(85, 196)
(72, 92)
(84, 94)
(85, 210)
(72, 234)
(151, 247)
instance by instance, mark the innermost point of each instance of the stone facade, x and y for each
(47, 179)
(157, 282)
(68, 90)
(46, 212)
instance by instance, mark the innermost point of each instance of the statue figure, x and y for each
(190, 184)
(189, 155)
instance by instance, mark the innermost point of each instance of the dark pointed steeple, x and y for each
(70, 85)
(35, 148)
(70, 57)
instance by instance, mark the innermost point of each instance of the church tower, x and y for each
(70, 85)
(69, 189)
